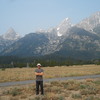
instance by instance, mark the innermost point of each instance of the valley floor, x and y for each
(88, 89)
(21, 74)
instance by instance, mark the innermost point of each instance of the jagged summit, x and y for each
(60, 30)
(97, 13)
(11, 34)
(91, 22)
(63, 27)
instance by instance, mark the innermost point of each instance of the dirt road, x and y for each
(48, 80)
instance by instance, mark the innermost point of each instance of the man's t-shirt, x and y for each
(39, 77)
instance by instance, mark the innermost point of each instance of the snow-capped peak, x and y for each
(63, 27)
(66, 19)
(11, 35)
(60, 30)
(91, 22)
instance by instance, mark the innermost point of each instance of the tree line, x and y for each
(13, 62)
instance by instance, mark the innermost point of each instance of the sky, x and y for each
(27, 16)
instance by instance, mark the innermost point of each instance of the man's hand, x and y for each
(39, 73)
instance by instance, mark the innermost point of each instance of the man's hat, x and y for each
(38, 64)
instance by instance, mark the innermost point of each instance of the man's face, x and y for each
(39, 67)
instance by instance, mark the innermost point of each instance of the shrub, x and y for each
(88, 91)
(36, 98)
(84, 92)
(73, 87)
(48, 89)
(71, 82)
(32, 88)
(23, 97)
(89, 80)
(56, 83)
(44, 98)
(90, 98)
(6, 92)
(53, 98)
(97, 82)
(3, 69)
(67, 93)
(83, 86)
(76, 96)
(97, 98)
(70, 85)
(64, 84)
(15, 92)
(56, 89)
(14, 98)
(61, 98)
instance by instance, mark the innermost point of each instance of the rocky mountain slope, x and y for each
(79, 41)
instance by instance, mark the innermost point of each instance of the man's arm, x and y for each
(39, 73)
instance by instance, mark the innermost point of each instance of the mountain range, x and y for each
(79, 41)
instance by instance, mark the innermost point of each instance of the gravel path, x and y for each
(47, 80)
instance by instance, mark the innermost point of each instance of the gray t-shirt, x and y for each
(39, 77)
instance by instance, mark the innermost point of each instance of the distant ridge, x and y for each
(81, 41)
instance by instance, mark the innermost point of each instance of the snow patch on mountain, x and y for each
(58, 33)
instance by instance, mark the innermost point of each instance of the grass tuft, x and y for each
(76, 96)
(15, 92)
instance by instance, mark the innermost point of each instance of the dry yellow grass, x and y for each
(57, 90)
(18, 74)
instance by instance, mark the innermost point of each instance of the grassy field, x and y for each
(88, 89)
(19, 74)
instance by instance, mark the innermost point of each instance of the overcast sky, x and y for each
(27, 16)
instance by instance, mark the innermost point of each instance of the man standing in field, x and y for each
(39, 79)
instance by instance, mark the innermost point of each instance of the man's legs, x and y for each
(37, 87)
(41, 85)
